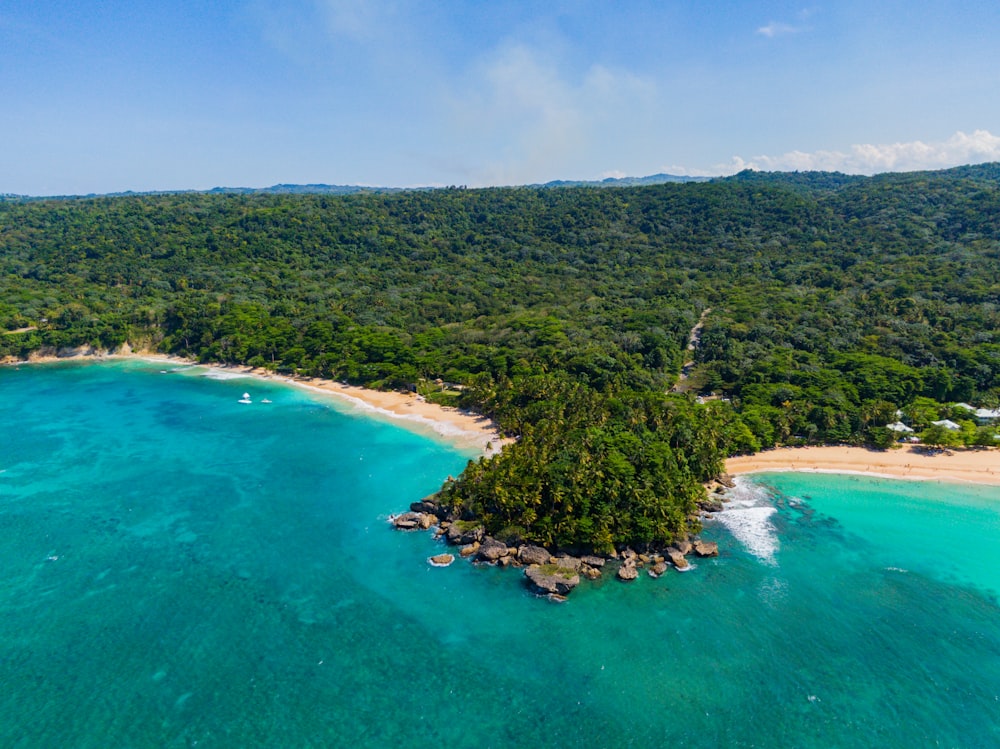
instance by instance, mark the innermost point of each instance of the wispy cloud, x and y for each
(360, 21)
(776, 28)
(536, 120)
(867, 158)
(781, 28)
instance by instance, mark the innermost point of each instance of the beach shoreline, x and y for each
(463, 429)
(470, 431)
(979, 466)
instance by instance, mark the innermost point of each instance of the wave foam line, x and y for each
(747, 516)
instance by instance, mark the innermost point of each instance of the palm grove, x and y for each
(563, 313)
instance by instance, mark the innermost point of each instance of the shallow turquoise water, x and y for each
(178, 569)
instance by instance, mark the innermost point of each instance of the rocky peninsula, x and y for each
(551, 573)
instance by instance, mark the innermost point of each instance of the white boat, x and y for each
(246, 398)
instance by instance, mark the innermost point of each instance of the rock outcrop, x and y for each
(706, 548)
(677, 559)
(462, 533)
(550, 579)
(566, 562)
(469, 549)
(554, 576)
(408, 521)
(428, 505)
(628, 570)
(533, 555)
(710, 504)
(683, 545)
(491, 550)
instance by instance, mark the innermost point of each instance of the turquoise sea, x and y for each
(178, 569)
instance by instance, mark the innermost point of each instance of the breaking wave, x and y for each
(747, 516)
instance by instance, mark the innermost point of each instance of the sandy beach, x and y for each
(908, 462)
(463, 429)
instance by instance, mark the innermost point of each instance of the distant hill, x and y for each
(989, 173)
(652, 179)
(324, 189)
(317, 189)
(808, 180)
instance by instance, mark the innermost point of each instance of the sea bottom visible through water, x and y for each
(181, 569)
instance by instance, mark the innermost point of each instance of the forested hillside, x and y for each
(564, 313)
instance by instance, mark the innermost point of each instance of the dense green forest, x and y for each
(562, 313)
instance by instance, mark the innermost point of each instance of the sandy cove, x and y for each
(908, 462)
(464, 429)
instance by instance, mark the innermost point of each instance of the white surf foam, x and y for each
(221, 374)
(747, 515)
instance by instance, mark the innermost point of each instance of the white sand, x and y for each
(981, 466)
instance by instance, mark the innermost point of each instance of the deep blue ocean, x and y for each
(179, 569)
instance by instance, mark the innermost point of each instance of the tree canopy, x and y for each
(562, 313)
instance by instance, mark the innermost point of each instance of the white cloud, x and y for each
(776, 28)
(537, 122)
(360, 21)
(867, 158)
(780, 28)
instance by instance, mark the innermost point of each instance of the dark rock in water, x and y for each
(491, 550)
(706, 548)
(591, 573)
(657, 569)
(551, 579)
(469, 549)
(683, 546)
(677, 559)
(461, 533)
(593, 561)
(427, 504)
(505, 561)
(556, 598)
(710, 504)
(407, 521)
(533, 555)
(628, 571)
(441, 560)
(566, 562)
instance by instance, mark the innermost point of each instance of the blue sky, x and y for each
(100, 96)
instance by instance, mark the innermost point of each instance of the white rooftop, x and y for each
(947, 424)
